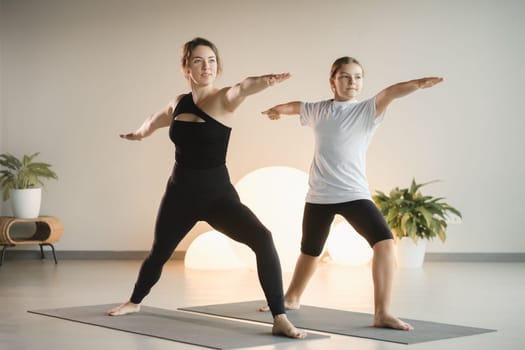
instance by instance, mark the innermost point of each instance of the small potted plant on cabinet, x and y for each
(414, 218)
(21, 181)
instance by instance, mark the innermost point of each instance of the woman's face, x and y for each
(347, 82)
(202, 66)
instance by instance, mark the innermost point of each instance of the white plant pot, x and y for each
(25, 203)
(410, 254)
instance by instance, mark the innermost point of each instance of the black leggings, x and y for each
(362, 214)
(208, 195)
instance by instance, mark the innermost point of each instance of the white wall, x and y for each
(78, 73)
(2, 138)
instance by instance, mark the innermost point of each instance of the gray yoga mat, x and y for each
(183, 327)
(349, 323)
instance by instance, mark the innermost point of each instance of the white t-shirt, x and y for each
(343, 131)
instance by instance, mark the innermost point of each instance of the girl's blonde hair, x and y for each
(338, 63)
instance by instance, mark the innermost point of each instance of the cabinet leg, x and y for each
(54, 255)
(3, 253)
(52, 249)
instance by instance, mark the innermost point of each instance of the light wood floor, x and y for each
(485, 295)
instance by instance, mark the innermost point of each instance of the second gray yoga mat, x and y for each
(183, 327)
(348, 323)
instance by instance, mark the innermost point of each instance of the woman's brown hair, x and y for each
(188, 48)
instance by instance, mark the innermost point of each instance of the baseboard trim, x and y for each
(14, 254)
(475, 257)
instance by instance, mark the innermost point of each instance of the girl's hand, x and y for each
(424, 83)
(272, 114)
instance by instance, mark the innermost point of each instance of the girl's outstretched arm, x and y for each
(236, 94)
(290, 108)
(398, 90)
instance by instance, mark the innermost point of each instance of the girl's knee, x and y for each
(384, 245)
(313, 252)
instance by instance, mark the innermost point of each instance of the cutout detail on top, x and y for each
(189, 117)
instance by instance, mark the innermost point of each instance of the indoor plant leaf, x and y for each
(410, 213)
(22, 173)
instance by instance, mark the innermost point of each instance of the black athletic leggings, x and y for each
(208, 195)
(362, 214)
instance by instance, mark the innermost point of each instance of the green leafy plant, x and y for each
(22, 173)
(411, 214)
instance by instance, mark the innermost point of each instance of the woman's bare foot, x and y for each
(389, 321)
(123, 309)
(288, 305)
(283, 326)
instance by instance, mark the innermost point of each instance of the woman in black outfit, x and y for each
(199, 188)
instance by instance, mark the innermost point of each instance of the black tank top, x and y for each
(198, 145)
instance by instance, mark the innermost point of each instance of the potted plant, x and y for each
(414, 219)
(21, 181)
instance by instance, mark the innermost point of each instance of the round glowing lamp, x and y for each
(276, 195)
(212, 251)
(347, 247)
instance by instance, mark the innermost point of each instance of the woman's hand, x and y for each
(158, 120)
(132, 136)
(272, 79)
(236, 94)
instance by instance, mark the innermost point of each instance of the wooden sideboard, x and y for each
(48, 230)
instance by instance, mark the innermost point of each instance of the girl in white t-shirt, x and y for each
(343, 128)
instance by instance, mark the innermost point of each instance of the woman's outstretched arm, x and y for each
(155, 121)
(236, 94)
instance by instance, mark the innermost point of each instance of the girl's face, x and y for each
(347, 82)
(202, 66)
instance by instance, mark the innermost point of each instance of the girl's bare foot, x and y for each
(389, 321)
(287, 304)
(283, 326)
(123, 309)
